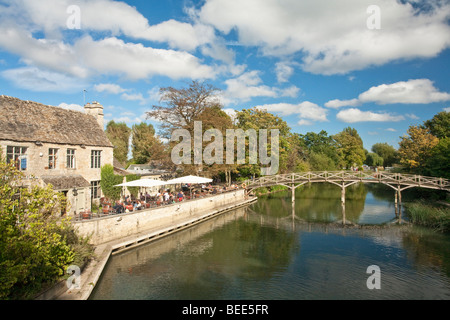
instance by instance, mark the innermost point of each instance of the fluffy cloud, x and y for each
(411, 91)
(416, 91)
(306, 111)
(353, 115)
(333, 35)
(249, 85)
(109, 87)
(34, 79)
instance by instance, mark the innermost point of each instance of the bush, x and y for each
(36, 246)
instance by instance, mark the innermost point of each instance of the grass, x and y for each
(431, 216)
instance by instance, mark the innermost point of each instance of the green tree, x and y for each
(146, 146)
(321, 162)
(108, 181)
(415, 147)
(438, 164)
(119, 135)
(257, 119)
(350, 148)
(373, 159)
(439, 125)
(387, 152)
(35, 243)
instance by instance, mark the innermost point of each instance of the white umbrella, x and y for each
(146, 183)
(189, 179)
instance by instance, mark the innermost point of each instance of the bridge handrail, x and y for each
(335, 176)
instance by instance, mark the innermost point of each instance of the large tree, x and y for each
(416, 146)
(258, 119)
(182, 106)
(439, 125)
(146, 146)
(119, 135)
(350, 148)
(387, 152)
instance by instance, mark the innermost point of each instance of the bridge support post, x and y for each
(343, 202)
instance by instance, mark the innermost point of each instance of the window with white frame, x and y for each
(52, 158)
(17, 156)
(71, 158)
(96, 159)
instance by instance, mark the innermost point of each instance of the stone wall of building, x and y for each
(38, 166)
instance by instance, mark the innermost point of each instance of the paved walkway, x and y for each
(93, 270)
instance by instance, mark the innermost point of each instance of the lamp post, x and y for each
(75, 194)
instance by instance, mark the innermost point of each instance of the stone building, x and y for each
(56, 146)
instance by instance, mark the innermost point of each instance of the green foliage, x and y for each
(438, 163)
(119, 134)
(373, 159)
(387, 152)
(146, 146)
(439, 125)
(108, 182)
(350, 148)
(261, 119)
(321, 162)
(429, 216)
(415, 148)
(35, 245)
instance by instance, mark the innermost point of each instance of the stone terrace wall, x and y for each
(118, 226)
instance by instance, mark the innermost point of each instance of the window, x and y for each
(95, 159)
(17, 155)
(95, 190)
(52, 157)
(71, 158)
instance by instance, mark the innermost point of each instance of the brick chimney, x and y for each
(95, 109)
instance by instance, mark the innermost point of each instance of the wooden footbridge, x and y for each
(343, 179)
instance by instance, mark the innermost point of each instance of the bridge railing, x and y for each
(347, 176)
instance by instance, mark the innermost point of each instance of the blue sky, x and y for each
(376, 65)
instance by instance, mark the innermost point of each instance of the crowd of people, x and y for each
(163, 197)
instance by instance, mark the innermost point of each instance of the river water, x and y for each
(268, 251)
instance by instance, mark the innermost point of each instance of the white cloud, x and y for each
(333, 35)
(133, 97)
(391, 130)
(306, 111)
(446, 109)
(35, 79)
(336, 103)
(283, 71)
(249, 85)
(72, 106)
(109, 87)
(411, 91)
(353, 115)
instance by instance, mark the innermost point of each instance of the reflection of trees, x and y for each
(428, 248)
(320, 202)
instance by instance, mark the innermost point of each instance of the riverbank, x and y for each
(436, 217)
(195, 212)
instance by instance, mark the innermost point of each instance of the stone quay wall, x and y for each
(118, 226)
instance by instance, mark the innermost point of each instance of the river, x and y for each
(267, 251)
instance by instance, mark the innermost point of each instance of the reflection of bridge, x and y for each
(343, 179)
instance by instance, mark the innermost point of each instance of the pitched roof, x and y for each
(27, 121)
(65, 182)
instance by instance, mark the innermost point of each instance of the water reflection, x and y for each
(263, 252)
